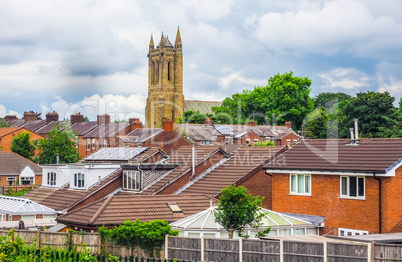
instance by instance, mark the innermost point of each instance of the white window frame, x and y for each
(51, 178)
(31, 180)
(288, 142)
(256, 141)
(97, 144)
(294, 142)
(130, 178)
(11, 179)
(93, 143)
(344, 232)
(248, 141)
(204, 143)
(227, 140)
(88, 144)
(347, 195)
(296, 191)
(211, 143)
(79, 180)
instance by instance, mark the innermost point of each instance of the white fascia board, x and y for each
(391, 171)
(336, 173)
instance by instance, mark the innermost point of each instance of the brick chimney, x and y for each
(52, 116)
(288, 124)
(77, 118)
(251, 123)
(135, 123)
(9, 118)
(103, 119)
(208, 122)
(29, 116)
(167, 125)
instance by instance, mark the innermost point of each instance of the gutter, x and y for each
(379, 203)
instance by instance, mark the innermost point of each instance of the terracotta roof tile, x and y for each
(370, 155)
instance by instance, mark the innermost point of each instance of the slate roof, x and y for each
(20, 206)
(141, 135)
(83, 128)
(107, 130)
(245, 161)
(34, 125)
(369, 156)
(198, 132)
(16, 122)
(203, 107)
(49, 127)
(115, 209)
(12, 164)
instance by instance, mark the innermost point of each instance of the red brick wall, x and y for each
(325, 201)
(283, 141)
(260, 184)
(167, 141)
(38, 216)
(251, 136)
(391, 203)
(7, 140)
(215, 158)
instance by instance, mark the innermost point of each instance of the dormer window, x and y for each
(51, 178)
(132, 180)
(79, 180)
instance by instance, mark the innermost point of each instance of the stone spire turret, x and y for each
(178, 39)
(151, 43)
(162, 42)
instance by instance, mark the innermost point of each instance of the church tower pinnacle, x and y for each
(165, 81)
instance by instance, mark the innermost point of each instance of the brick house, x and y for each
(7, 134)
(356, 186)
(165, 138)
(16, 170)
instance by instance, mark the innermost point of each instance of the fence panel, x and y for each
(53, 239)
(347, 252)
(387, 253)
(295, 251)
(255, 250)
(184, 248)
(221, 250)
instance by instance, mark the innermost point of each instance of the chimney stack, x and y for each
(251, 123)
(30, 116)
(103, 119)
(351, 134)
(167, 125)
(77, 118)
(357, 130)
(135, 123)
(52, 116)
(208, 122)
(288, 124)
(9, 118)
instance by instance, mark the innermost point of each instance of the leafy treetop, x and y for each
(22, 145)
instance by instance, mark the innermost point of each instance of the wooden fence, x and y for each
(254, 250)
(212, 249)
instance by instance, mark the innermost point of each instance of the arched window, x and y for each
(156, 72)
(153, 72)
(170, 70)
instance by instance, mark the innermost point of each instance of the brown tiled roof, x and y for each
(12, 163)
(245, 161)
(370, 155)
(107, 130)
(66, 198)
(83, 128)
(151, 151)
(39, 193)
(182, 156)
(7, 130)
(34, 125)
(114, 210)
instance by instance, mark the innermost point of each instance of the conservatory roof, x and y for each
(21, 206)
(206, 220)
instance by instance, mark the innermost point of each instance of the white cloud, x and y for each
(234, 81)
(345, 78)
(4, 112)
(389, 78)
(347, 25)
(117, 106)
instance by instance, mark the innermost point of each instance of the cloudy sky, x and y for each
(90, 56)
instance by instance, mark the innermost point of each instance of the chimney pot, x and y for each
(167, 125)
(251, 123)
(103, 119)
(77, 118)
(53, 116)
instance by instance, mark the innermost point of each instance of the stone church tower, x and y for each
(165, 81)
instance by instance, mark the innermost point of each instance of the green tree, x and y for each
(393, 126)
(194, 117)
(370, 108)
(328, 99)
(286, 97)
(238, 209)
(3, 123)
(59, 142)
(22, 145)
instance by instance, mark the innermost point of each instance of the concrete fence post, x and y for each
(166, 246)
(281, 255)
(202, 249)
(325, 251)
(240, 249)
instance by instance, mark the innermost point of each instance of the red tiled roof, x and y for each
(370, 155)
(245, 161)
(114, 210)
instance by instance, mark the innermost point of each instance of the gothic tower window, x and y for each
(170, 70)
(156, 73)
(153, 72)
